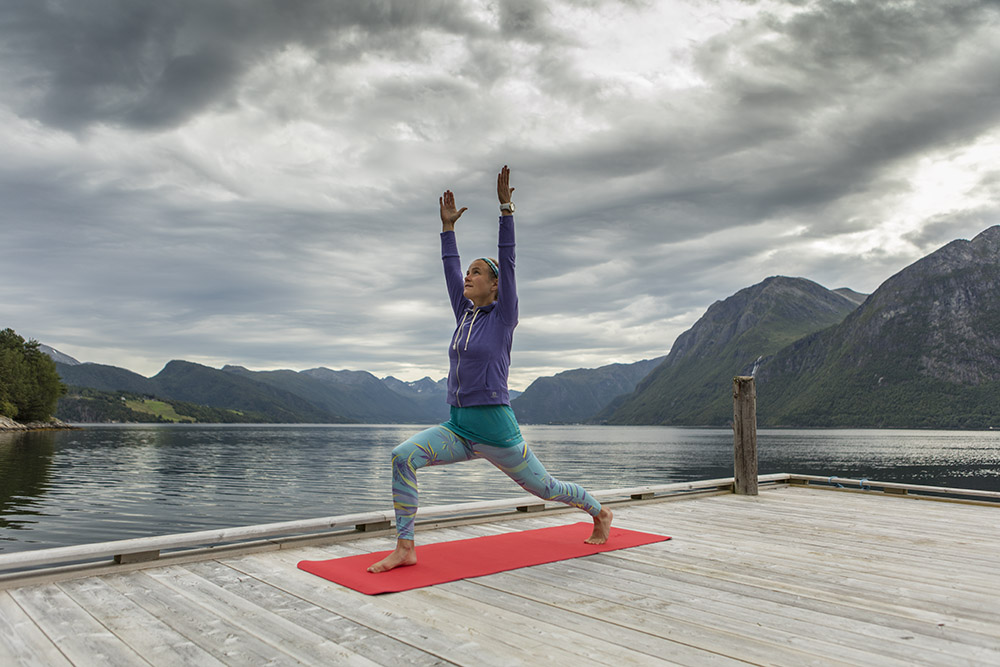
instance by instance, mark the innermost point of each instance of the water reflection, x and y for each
(25, 466)
(114, 482)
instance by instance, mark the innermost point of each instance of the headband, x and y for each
(493, 267)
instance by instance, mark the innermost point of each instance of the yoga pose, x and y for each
(482, 424)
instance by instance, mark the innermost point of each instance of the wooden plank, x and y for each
(22, 642)
(870, 635)
(616, 636)
(719, 640)
(803, 503)
(793, 582)
(283, 635)
(80, 637)
(224, 640)
(868, 561)
(832, 610)
(818, 548)
(933, 565)
(147, 635)
(426, 632)
(363, 640)
(530, 641)
(901, 541)
(750, 623)
(929, 510)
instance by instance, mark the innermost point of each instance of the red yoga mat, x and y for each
(474, 557)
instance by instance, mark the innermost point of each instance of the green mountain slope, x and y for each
(692, 386)
(922, 351)
(104, 378)
(194, 383)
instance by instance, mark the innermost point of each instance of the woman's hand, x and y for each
(449, 215)
(503, 185)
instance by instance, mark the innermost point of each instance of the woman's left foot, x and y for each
(602, 527)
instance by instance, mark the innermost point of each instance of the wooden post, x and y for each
(744, 436)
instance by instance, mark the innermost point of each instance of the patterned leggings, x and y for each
(438, 446)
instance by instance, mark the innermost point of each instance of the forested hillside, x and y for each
(922, 351)
(29, 383)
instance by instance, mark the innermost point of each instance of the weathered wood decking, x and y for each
(793, 576)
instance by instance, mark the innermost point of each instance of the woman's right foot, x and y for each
(404, 554)
(602, 527)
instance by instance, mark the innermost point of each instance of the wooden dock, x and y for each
(797, 575)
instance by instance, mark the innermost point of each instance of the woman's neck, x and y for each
(485, 302)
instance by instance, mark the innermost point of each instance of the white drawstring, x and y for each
(474, 314)
(454, 343)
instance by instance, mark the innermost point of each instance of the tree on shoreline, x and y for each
(29, 383)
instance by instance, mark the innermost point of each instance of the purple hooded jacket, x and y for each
(480, 348)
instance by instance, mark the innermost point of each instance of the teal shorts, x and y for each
(487, 424)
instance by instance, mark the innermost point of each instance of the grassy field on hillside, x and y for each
(158, 408)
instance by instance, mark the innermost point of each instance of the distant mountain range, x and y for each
(576, 396)
(318, 395)
(922, 351)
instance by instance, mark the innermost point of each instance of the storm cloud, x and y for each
(256, 182)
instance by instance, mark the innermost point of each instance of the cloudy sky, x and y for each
(256, 182)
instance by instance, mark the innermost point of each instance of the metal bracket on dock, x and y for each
(137, 557)
(373, 526)
(531, 508)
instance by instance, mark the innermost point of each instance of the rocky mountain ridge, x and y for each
(923, 350)
(691, 386)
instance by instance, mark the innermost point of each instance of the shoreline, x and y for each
(9, 425)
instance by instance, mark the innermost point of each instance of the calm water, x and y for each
(114, 482)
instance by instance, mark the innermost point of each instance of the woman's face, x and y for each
(480, 283)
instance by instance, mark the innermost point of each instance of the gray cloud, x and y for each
(255, 182)
(153, 65)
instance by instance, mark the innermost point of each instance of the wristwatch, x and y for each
(508, 207)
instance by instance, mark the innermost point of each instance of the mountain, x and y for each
(577, 395)
(105, 378)
(431, 396)
(922, 351)
(194, 383)
(849, 294)
(319, 395)
(692, 385)
(56, 355)
(357, 394)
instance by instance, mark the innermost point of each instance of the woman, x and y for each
(482, 424)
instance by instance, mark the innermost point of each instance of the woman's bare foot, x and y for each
(602, 527)
(405, 554)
